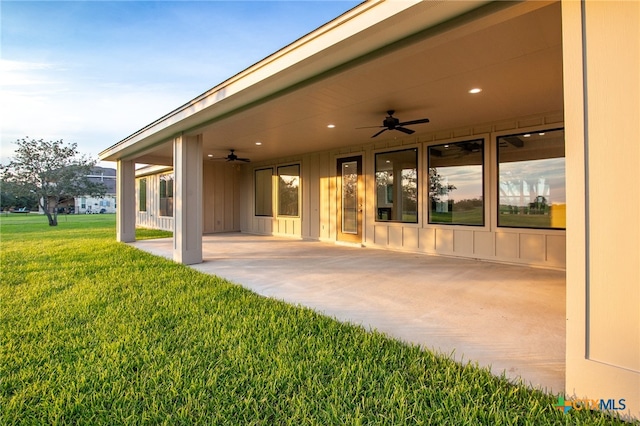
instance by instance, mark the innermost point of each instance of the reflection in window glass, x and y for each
(349, 192)
(263, 188)
(397, 186)
(166, 194)
(532, 180)
(142, 195)
(456, 194)
(288, 190)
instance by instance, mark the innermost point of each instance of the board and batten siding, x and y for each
(220, 202)
(318, 202)
(151, 217)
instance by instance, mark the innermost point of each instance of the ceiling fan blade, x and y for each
(405, 130)
(407, 123)
(383, 130)
(370, 127)
(245, 160)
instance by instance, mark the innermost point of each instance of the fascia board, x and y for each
(151, 170)
(323, 49)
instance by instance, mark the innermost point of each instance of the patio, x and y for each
(508, 317)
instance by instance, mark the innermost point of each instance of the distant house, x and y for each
(104, 204)
(528, 156)
(87, 204)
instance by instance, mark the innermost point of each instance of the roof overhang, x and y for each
(261, 98)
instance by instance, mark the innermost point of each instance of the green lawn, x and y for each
(463, 217)
(95, 332)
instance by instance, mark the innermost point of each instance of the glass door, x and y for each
(350, 193)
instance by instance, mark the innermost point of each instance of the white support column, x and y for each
(601, 64)
(126, 199)
(187, 222)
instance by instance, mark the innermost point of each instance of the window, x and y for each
(166, 194)
(397, 186)
(142, 195)
(288, 190)
(456, 184)
(531, 179)
(264, 194)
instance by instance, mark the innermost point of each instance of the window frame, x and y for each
(389, 196)
(160, 197)
(485, 190)
(496, 141)
(255, 191)
(298, 194)
(142, 183)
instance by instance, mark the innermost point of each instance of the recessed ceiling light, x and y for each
(210, 155)
(446, 146)
(258, 143)
(331, 126)
(475, 90)
(541, 133)
(527, 135)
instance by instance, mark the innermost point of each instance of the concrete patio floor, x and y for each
(508, 317)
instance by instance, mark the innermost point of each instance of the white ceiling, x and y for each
(515, 57)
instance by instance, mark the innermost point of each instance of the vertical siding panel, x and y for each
(427, 239)
(507, 245)
(312, 217)
(463, 242)
(444, 240)
(229, 196)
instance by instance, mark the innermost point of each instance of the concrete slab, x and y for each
(510, 318)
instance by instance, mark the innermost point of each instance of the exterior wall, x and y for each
(151, 218)
(221, 203)
(602, 105)
(318, 220)
(285, 226)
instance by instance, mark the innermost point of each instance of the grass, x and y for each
(465, 217)
(95, 332)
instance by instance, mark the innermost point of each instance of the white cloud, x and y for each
(54, 102)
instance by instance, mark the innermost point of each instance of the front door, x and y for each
(350, 195)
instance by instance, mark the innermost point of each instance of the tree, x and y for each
(436, 187)
(51, 171)
(12, 197)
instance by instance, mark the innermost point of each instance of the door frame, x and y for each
(350, 237)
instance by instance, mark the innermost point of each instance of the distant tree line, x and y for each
(468, 204)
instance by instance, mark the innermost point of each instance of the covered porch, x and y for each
(511, 318)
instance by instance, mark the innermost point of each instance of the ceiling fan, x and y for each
(231, 157)
(392, 123)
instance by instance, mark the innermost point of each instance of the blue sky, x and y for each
(93, 72)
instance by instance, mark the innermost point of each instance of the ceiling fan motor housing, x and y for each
(390, 122)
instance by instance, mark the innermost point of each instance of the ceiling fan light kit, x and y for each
(392, 123)
(232, 157)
